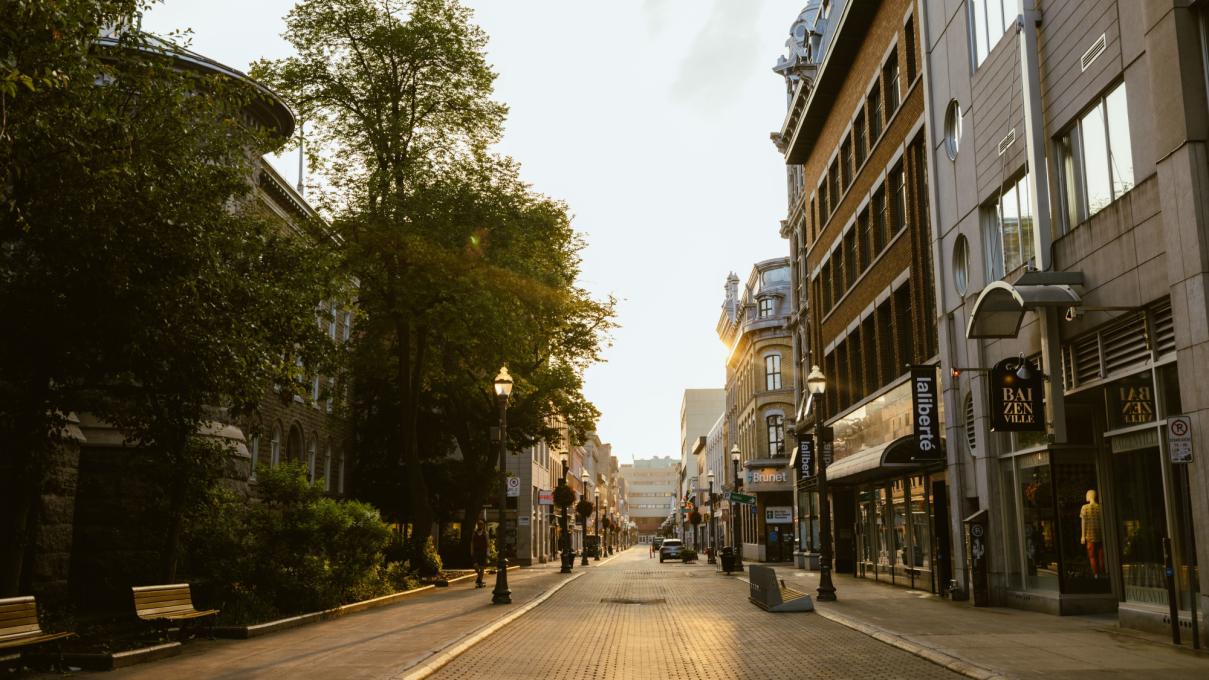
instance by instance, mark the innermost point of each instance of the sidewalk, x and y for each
(376, 643)
(990, 642)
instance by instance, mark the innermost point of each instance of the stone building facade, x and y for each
(1070, 183)
(859, 229)
(759, 403)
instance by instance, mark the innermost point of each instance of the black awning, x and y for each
(882, 461)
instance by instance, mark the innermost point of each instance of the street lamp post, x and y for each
(736, 541)
(816, 382)
(503, 389)
(596, 517)
(713, 527)
(584, 477)
(564, 537)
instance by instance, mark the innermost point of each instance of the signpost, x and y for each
(736, 497)
(1179, 439)
(514, 486)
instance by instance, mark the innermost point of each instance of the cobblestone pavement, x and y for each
(635, 618)
(377, 643)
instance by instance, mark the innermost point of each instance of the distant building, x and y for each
(759, 402)
(699, 410)
(652, 485)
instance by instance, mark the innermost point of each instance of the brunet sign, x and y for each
(768, 479)
(1017, 404)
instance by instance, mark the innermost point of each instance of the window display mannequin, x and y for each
(1092, 533)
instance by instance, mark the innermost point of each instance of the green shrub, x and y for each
(295, 551)
(688, 554)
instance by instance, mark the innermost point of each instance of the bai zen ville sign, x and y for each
(1017, 404)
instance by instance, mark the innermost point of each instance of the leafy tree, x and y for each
(462, 267)
(140, 280)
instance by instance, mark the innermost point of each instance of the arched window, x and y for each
(776, 435)
(275, 447)
(772, 372)
(311, 453)
(327, 469)
(254, 449)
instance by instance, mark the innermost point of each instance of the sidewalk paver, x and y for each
(1007, 642)
(376, 643)
(638, 619)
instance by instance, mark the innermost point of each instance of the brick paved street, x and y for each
(694, 624)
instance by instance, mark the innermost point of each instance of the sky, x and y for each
(651, 119)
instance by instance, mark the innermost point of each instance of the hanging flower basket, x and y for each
(584, 508)
(694, 518)
(564, 496)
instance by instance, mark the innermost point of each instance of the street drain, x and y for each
(627, 600)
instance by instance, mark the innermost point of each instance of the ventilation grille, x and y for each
(1007, 141)
(1096, 49)
(971, 439)
(1125, 343)
(1164, 328)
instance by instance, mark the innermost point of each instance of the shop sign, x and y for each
(1179, 439)
(545, 497)
(806, 457)
(925, 413)
(778, 514)
(768, 479)
(1131, 401)
(1017, 405)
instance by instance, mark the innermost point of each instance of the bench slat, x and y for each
(168, 602)
(33, 640)
(18, 618)
(21, 631)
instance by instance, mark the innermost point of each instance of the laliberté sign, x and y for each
(925, 413)
(1017, 405)
(768, 479)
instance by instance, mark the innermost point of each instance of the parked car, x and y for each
(670, 549)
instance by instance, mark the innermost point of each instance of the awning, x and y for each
(1001, 306)
(883, 460)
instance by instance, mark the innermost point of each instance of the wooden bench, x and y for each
(168, 604)
(19, 626)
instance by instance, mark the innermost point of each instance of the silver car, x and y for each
(670, 550)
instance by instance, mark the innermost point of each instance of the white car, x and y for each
(670, 549)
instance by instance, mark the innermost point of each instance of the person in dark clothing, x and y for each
(478, 550)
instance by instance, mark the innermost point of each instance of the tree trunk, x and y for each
(176, 521)
(409, 382)
(31, 442)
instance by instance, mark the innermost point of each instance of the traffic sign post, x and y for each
(1179, 439)
(736, 497)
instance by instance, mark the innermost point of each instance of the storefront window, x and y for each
(1081, 524)
(921, 533)
(1011, 534)
(1040, 529)
(868, 529)
(1141, 519)
(1130, 401)
(900, 556)
(885, 550)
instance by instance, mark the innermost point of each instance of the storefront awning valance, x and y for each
(1001, 306)
(893, 457)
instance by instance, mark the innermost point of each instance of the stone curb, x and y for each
(943, 659)
(442, 656)
(256, 630)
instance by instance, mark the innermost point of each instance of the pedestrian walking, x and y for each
(478, 550)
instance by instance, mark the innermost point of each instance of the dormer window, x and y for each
(766, 308)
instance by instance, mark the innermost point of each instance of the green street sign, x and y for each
(736, 497)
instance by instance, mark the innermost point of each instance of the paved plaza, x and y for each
(631, 617)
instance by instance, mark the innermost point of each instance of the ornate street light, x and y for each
(503, 390)
(564, 538)
(584, 477)
(736, 542)
(596, 516)
(713, 527)
(816, 383)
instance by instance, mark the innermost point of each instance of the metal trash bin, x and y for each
(728, 559)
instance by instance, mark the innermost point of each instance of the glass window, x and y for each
(1141, 518)
(348, 325)
(898, 194)
(961, 264)
(311, 461)
(766, 308)
(921, 526)
(890, 82)
(880, 220)
(992, 18)
(275, 448)
(1009, 224)
(873, 105)
(776, 435)
(1037, 516)
(858, 135)
(1095, 161)
(853, 267)
(846, 163)
(772, 372)
(1011, 534)
(1082, 524)
(864, 240)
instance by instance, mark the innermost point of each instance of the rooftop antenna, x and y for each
(301, 157)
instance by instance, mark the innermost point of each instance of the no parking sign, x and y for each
(1179, 439)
